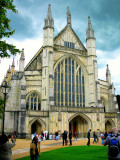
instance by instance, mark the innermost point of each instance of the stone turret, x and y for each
(21, 61)
(49, 22)
(13, 67)
(47, 62)
(68, 17)
(90, 31)
(108, 75)
(48, 34)
(90, 39)
(92, 66)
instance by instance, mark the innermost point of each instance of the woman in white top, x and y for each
(39, 137)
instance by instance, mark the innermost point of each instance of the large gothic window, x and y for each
(33, 102)
(69, 85)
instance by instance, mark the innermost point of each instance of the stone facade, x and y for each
(59, 89)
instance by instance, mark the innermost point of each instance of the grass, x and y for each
(74, 153)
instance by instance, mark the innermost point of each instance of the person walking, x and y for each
(34, 149)
(97, 138)
(70, 138)
(5, 148)
(42, 136)
(75, 136)
(64, 136)
(94, 136)
(88, 136)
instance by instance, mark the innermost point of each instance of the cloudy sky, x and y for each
(105, 18)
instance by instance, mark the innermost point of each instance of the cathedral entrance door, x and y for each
(36, 127)
(74, 128)
(80, 125)
(108, 126)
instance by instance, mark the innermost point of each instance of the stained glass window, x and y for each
(69, 44)
(69, 85)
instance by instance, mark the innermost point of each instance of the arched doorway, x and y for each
(109, 125)
(36, 127)
(80, 125)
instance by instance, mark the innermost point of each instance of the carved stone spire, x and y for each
(21, 61)
(68, 17)
(107, 70)
(13, 63)
(108, 75)
(49, 22)
(22, 55)
(90, 31)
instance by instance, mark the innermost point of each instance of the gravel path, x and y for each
(23, 146)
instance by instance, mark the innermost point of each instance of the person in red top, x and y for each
(45, 135)
(75, 135)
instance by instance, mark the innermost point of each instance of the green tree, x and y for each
(6, 49)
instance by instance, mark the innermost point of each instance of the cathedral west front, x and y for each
(59, 88)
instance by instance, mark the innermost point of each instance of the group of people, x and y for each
(95, 137)
(112, 139)
(40, 136)
(65, 135)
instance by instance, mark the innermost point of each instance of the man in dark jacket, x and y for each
(88, 136)
(64, 136)
(70, 138)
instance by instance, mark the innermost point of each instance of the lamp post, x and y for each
(5, 89)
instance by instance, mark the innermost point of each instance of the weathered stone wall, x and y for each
(59, 120)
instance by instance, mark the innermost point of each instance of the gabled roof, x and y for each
(39, 51)
(62, 32)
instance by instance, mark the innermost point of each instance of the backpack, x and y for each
(113, 147)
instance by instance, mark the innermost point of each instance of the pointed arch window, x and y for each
(69, 84)
(33, 102)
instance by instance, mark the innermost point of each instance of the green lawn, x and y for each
(74, 153)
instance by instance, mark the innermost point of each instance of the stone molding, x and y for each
(110, 115)
(77, 109)
(37, 113)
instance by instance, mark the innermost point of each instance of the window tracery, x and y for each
(33, 102)
(69, 84)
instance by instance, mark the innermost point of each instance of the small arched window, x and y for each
(33, 102)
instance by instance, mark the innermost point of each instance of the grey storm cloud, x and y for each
(104, 17)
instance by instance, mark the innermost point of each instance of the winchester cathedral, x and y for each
(59, 88)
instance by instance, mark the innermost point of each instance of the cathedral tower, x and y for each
(92, 66)
(47, 62)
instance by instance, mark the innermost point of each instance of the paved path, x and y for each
(22, 147)
(18, 151)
